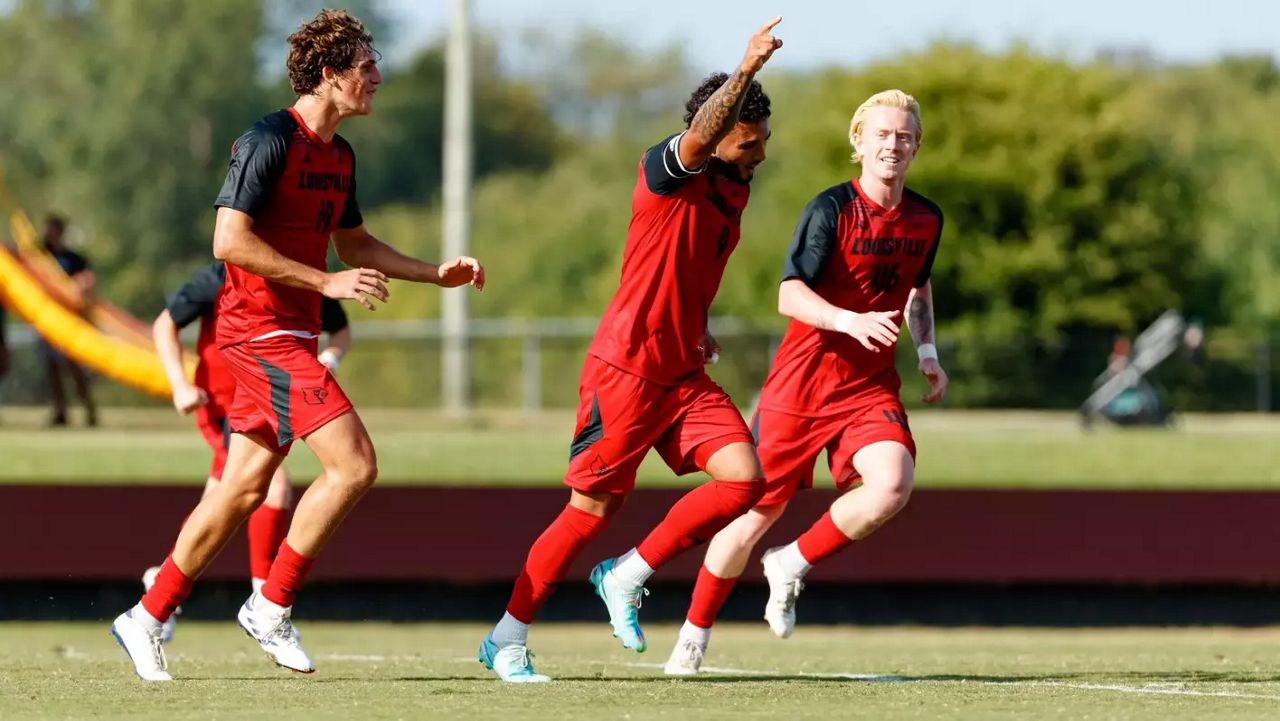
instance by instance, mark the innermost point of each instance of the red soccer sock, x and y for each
(709, 594)
(171, 588)
(823, 539)
(549, 559)
(267, 528)
(288, 572)
(698, 516)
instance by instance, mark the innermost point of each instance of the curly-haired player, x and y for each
(643, 384)
(289, 190)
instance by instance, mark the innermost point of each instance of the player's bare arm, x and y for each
(920, 323)
(873, 330)
(920, 314)
(718, 115)
(164, 332)
(358, 247)
(235, 242)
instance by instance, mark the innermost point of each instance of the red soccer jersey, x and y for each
(298, 189)
(684, 226)
(860, 257)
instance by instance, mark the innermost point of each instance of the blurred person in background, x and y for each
(209, 397)
(862, 251)
(55, 363)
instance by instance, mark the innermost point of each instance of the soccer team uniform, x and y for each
(298, 189)
(643, 384)
(197, 300)
(824, 389)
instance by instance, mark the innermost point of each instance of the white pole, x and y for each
(455, 363)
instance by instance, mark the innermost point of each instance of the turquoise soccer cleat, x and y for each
(622, 603)
(513, 663)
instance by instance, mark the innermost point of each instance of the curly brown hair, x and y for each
(332, 40)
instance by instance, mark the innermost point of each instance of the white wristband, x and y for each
(329, 358)
(927, 350)
(843, 320)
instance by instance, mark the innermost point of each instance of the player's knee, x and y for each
(601, 505)
(362, 473)
(735, 462)
(891, 492)
(244, 500)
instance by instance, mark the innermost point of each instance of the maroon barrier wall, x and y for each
(482, 534)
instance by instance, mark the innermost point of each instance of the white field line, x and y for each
(883, 678)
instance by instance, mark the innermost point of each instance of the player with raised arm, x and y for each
(643, 384)
(862, 252)
(211, 394)
(290, 189)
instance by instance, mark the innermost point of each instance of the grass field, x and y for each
(376, 671)
(957, 449)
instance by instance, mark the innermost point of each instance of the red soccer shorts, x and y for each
(789, 444)
(212, 422)
(282, 391)
(621, 416)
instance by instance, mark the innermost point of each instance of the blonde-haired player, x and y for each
(862, 252)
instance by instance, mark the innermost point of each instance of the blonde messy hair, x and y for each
(883, 99)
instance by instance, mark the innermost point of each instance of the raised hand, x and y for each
(760, 48)
(356, 284)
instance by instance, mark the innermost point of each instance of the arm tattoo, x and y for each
(718, 115)
(920, 317)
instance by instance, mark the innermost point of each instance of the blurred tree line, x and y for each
(1082, 199)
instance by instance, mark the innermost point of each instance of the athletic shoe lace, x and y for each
(793, 593)
(690, 653)
(284, 631)
(635, 598)
(523, 658)
(157, 650)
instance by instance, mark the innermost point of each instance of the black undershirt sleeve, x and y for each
(197, 296)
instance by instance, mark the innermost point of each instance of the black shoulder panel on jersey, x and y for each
(257, 160)
(815, 235)
(664, 174)
(197, 296)
(927, 269)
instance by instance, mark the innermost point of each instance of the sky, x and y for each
(848, 32)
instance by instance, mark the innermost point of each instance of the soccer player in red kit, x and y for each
(643, 384)
(211, 394)
(862, 251)
(289, 190)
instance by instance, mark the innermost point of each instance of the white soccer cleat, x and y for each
(513, 663)
(166, 628)
(622, 603)
(686, 658)
(143, 647)
(780, 610)
(272, 628)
